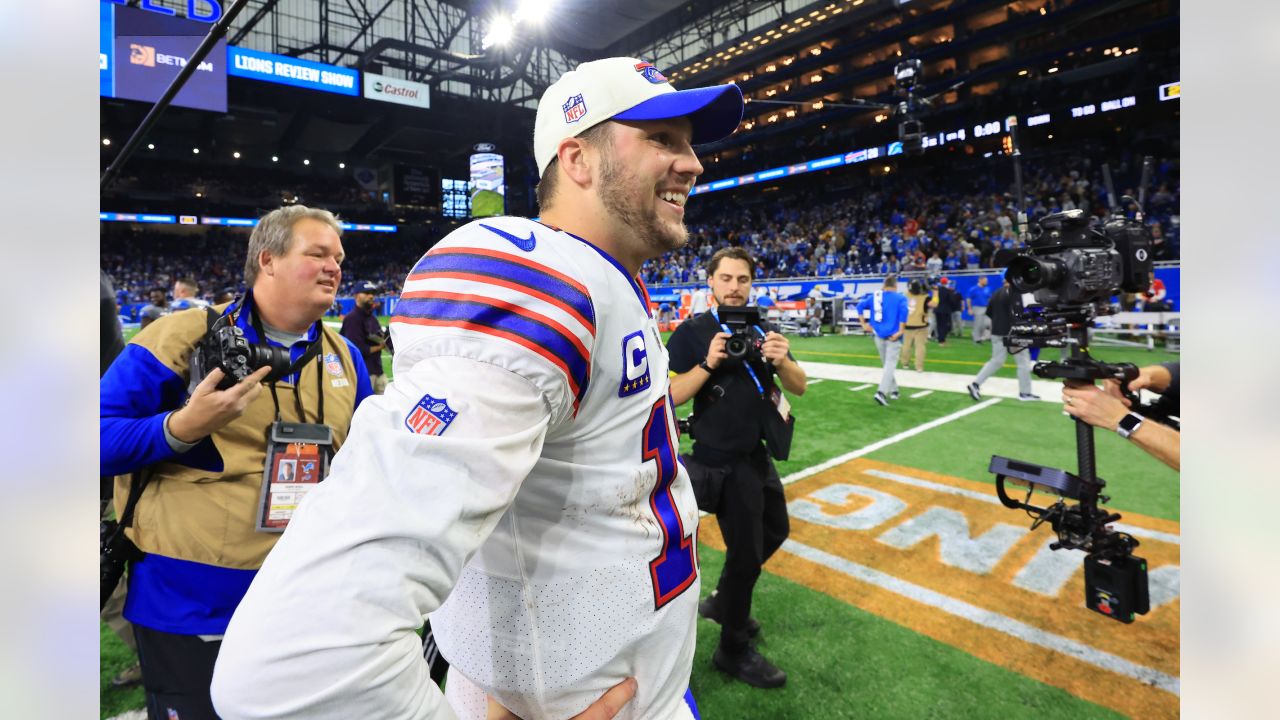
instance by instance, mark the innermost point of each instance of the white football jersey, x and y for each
(523, 465)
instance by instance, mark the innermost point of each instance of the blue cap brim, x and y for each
(713, 111)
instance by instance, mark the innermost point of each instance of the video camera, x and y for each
(225, 347)
(744, 340)
(1072, 268)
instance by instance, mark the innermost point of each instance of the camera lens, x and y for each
(736, 347)
(1028, 274)
(277, 358)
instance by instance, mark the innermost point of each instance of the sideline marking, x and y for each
(927, 361)
(861, 387)
(921, 394)
(988, 619)
(842, 459)
(814, 381)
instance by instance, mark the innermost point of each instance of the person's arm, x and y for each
(145, 415)
(1100, 409)
(686, 384)
(328, 626)
(364, 386)
(777, 350)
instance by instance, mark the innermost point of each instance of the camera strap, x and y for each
(312, 351)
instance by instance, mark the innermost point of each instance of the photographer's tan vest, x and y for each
(208, 517)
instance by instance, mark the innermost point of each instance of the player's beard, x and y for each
(622, 194)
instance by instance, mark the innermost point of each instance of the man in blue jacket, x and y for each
(977, 299)
(208, 513)
(888, 310)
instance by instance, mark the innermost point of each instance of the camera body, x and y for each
(1073, 265)
(226, 348)
(745, 341)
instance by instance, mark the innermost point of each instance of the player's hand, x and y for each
(1092, 404)
(209, 409)
(603, 709)
(715, 351)
(775, 348)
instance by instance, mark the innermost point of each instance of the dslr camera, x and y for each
(745, 340)
(224, 347)
(1071, 269)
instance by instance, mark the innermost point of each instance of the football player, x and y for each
(519, 480)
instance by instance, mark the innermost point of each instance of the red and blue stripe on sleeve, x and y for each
(505, 296)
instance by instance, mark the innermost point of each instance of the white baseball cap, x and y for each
(624, 88)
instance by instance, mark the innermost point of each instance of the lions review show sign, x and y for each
(258, 65)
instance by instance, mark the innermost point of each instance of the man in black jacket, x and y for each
(362, 328)
(732, 400)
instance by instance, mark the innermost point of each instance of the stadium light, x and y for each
(236, 154)
(533, 11)
(501, 30)
(195, 151)
(306, 161)
(342, 166)
(151, 146)
(275, 158)
(106, 141)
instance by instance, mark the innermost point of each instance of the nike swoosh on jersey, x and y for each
(525, 244)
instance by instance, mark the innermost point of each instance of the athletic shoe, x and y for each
(893, 395)
(710, 609)
(750, 667)
(880, 398)
(1027, 397)
(974, 392)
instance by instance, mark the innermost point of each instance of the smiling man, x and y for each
(518, 480)
(203, 450)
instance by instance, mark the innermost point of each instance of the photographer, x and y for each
(737, 405)
(198, 450)
(362, 328)
(1105, 407)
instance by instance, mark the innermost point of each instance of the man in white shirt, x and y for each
(523, 464)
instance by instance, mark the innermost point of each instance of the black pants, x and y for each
(753, 520)
(942, 325)
(176, 673)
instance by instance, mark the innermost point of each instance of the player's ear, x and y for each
(574, 161)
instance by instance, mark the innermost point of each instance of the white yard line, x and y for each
(921, 394)
(807, 472)
(814, 382)
(988, 619)
(862, 387)
(1048, 390)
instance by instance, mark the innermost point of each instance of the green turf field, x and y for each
(848, 653)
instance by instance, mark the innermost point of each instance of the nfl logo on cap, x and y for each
(574, 109)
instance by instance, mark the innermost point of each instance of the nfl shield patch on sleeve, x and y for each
(431, 416)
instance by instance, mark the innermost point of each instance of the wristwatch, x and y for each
(710, 370)
(1129, 424)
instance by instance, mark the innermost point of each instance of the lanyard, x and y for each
(313, 350)
(750, 370)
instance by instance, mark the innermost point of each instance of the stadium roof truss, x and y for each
(435, 42)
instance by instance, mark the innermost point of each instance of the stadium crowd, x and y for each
(918, 219)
